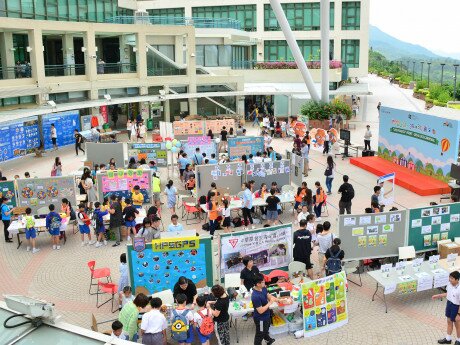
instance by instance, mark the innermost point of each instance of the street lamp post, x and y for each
(442, 72)
(413, 70)
(421, 70)
(455, 81)
(429, 66)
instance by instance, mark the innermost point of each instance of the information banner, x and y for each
(324, 304)
(205, 144)
(7, 191)
(428, 225)
(270, 248)
(65, 123)
(244, 146)
(159, 266)
(186, 128)
(216, 125)
(268, 172)
(18, 138)
(41, 192)
(121, 183)
(150, 152)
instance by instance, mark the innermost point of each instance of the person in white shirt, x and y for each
(267, 141)
(54, 136)
(117, 331)
(258, 158)
(226, 215)
(367, 138)
(266, 122)
(198, 319)
(326, 143)
(175, 226)
(142, 132)
(134, 130)
(303, 214)
(311, 226)
(154, 324)
(325, 240)
(452, 308)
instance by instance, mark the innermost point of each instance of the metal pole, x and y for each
(455, 82)
(325, 9)
(299, 59)
(442, 72)
(413, 70)
(429, 67)
(421, 71)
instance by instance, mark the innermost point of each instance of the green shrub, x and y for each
(444, 97)
(428, 99)
(453, 106)
(318, 110)
(439, 104)
(421, 84)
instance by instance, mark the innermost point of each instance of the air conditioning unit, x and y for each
(141, 17)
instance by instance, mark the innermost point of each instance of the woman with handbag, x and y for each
(329, 173)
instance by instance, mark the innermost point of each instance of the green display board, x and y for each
(427, 225)
(7, 190)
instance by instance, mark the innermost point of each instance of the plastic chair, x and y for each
(232, 280)
(296, 266)
(192, 210)
(109, 289)
(98, 273)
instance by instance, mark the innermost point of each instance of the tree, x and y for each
(419, 165)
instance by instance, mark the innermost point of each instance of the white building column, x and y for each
(7, 54)
(179, 49)
(37, 60)
(68, 54)
(166, 106)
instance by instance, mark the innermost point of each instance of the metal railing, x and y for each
(16, 72)
(116, 68)
(285, 64)
(151, 72)
(64, 70)
(198, 22)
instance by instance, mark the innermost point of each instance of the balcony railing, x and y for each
(16, 72)
(222, 23)
(151, 72)
(269, 64)
(116, 68)
(64, 70)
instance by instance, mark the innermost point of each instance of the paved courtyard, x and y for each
(62, 277)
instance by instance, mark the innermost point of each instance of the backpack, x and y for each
(55, 223)
(237, 222)
(334, 264)
(96, 221)
(179, 326)
(207, 325)
(351, 192)
(328, 171)
(278, 156)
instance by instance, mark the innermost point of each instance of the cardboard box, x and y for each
(448, 248)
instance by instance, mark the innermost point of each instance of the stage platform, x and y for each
(408, 179)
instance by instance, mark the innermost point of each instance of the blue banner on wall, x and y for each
(65, 124)
(18, 138)
(244, 146)
(424, 143)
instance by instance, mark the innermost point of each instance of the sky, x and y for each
(433, 24)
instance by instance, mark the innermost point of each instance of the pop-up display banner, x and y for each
(157, 266)
(121, 183)
(183, 129)
(8, 191)
(244, 146)
(372, 235)
(98, 153)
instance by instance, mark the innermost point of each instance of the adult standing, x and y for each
(186, 287)
(78, 141)
(304, 153)
(326, 144)
(367, 138)
(210, 134)
(325, 240)
(247, 205)
(213, 211)
(261, 301)
(142, 131)
(220, 314)
(302, 246)
(329, 173)
(272, 207)
(249, 273)
(223, 139)
(134, 131)
(333, 258)
(116, 219)
(297, 144)
(347, 194)
(54, 136)
(6, 219)
(319, 200)
(129, 315)
(89, 186)
(129, 126)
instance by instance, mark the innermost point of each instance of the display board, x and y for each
(7, 190)
(216, 125)
(41, 192)
(424, 143)
(65, 123)
(227, 176)
(428, 225)
(206, 145)
(159, 266)
(184, 129)
(296, 169)
(270, 248)
(239, 146)
(149, 151)
(372, 235)
(121, 183)
(18, 138)
(324, 303)
(98, 153)
(268, 172)
(166, 129)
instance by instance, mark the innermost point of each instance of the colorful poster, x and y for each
(244, 146)
(270, 248)
(150, 152)
(159, 266)
(18, 138)
(104, 113)
(186, 128)
(324, 304)
(216, 125)
(428, 144)
(205, 144)
(121, 183)
(65, 123)
(7, 191)
(41, 192)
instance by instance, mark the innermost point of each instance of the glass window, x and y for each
(2, 8)
(82, 12)
(211, 56)
(92, 11)
(63, 10)
(27, 9)
(73, 10)
(199, 53)
(301, 16)
(225, 55)
(99, 11)
(350, 53)
(51, 10)
(280, 51)
(168, 12)
(351, 15)
(167, 50)
(14, 8)
(246, 14)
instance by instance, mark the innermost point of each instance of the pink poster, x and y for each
(123, 180)
(197, 141)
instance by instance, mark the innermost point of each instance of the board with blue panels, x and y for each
(18, 138)
(65, 123)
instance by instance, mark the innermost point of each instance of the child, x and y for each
(124, 280)
(30, 230)
(137, 197)
(83, 225)
(182, 315)
(99, 224)
(198, 319)
(175, 226)
(117, 331)
(125, 296)
(130, 213)
(226, 215)
(105, 205)
(303, 214)
(153, 325)
(171, 193)
(191, 183)
(311, 226)
(375, 207)
(53, 225)
(146, 231)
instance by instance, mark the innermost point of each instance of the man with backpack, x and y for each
(79, 139)
(333, 258)
(181, 320)
(347, 194)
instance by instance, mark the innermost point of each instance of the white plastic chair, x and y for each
(406, 252)
(296, 266)
(232, 280)
(166, 296)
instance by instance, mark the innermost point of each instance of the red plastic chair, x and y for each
(98, 273)
(109, 289)
(194, 211)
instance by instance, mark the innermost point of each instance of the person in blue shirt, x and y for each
(213, 159)
(271, 154)
(197, 157)
(6, 218)
(182, 162)
(53, 225)
(175, 226)
(261, 301)
(251, 158)
(247, 204)
(100, 228)
(152, 166)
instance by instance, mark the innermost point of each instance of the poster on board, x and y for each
(270, 248)
(18, 138)
(65, 123)
(149, 151)
(324, 304)
(41, 192)
(216, 125)
(205, 143)
(268, 172)
(121, 183)
(159, 266)
(7, 191)
(244, 146)
(186, 128)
